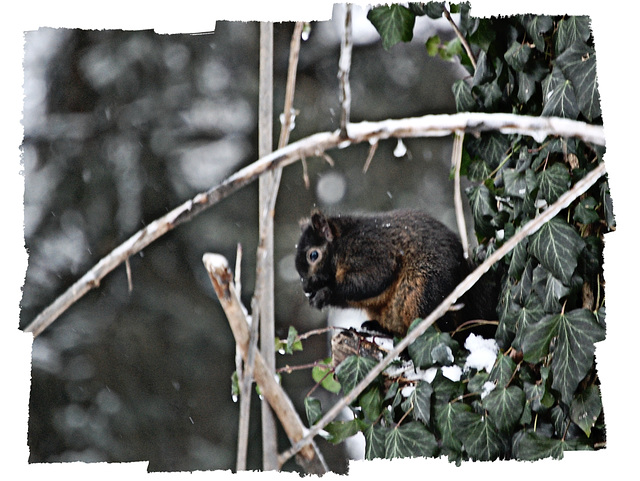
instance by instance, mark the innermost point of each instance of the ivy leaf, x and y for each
(502, 370)
(571, 29)
(526, 86)
(578, 64)
(432, 347)
(586, 211)
(537, 26)
(576, 333)
(517, 55)
(491, 148)
(559, 97)
(483, 209)
(505, 406)
(393, 22)
(446, 415)
(341, 430)
(432, 9)
(420, 401)
(323, 375)
(371, 403)
(557, 245)
(530, 446)
(353, 370)
(518, 183)
(410, 440)
(480, 437)
(465, 101)
(528, 315)
(313, 409)
(549, 289)
(585, 408)
(374, 436)
(553, 182)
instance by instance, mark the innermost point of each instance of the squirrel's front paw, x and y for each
(320, 298)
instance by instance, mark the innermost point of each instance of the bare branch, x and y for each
(532, 226)
(313, 146)
(222, 279)
(344, 66)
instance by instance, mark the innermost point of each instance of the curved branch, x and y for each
(313, 146)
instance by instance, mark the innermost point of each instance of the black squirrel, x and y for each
(397, 266)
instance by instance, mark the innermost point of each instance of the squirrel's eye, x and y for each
(313, 255)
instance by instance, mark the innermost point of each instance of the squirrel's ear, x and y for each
(321, 225)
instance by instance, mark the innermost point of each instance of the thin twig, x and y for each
(456, 161)
(344, 66)
(463, 40)
(372, 151)
(532, 226)
(314, 145)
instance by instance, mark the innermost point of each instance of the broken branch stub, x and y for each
(221, 277)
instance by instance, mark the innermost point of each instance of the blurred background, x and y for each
(123, 126)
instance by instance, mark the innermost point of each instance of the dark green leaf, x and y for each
(480, 437)
(432, 347)
(465, 101)
(478, 171)
(530, 446)
(585, 408)
(549, 289)
(571, 30)
(517, 55)
(446, 421)
(313, 409)
(526, 86)
(420, 402)
(410, 440)
(586, 211)
(537, 26)
(519, 259)
(553, 182)
(502, 370)
(483, 209)
(375, 436)
(492, 148)
(353, 370)
(484, 71)
(341, 430)
(371, 403)
(505, 406)
(578, 64)
(608, 204)
(431, 9)
(518, 184)
(576, 332)
(557, 245)
(559, 97)
(527, 315)
(393, 22)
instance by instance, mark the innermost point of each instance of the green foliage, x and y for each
(542, 395)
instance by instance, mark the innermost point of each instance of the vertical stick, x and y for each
(344, 66)
(265, 283)
(456, 161)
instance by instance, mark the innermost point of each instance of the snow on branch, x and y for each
(314, 146)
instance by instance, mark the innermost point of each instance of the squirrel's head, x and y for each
(314, 253)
